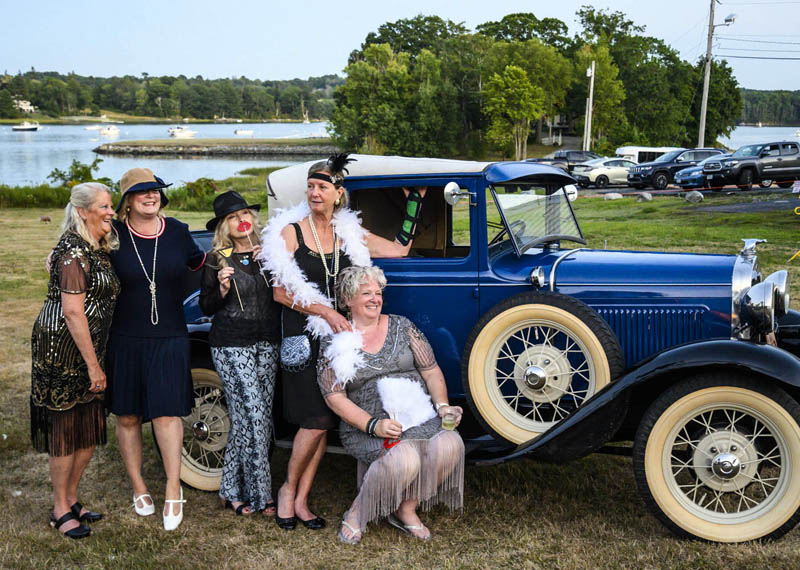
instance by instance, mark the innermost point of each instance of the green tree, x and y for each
(412, 35)
(7, 108)
(512, 102)
(77, 173)
(724, 103)
(525, 26)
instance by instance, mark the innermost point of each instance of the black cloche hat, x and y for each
(226, 203)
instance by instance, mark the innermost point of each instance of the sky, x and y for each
(264, 39)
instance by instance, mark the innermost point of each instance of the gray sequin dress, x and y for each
(427, 465)
(404, 353)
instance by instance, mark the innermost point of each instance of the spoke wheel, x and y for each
(533, 360)
(205, 432)
(718, 458)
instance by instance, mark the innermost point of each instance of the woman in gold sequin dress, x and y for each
(68, 348)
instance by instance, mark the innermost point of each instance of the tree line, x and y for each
(58, 95)
(431, 86)
(770, 107)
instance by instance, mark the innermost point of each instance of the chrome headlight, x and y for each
(758, 307)
(781, 281)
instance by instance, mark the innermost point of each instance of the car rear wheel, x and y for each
(785, 184)
(535, 358)
(745, 179)
(766, 183)
(660, 180)
(601, 181)
(205, 432)
(717, 457)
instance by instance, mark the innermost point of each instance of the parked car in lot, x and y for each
(601, 172)
(756, 163)
(693, 176)
(661, 171)
(556, 351)
(566, 159)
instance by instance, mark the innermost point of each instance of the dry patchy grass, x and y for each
(518, 515)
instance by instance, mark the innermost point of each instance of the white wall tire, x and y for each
(533, 359)
(205, 433)
(718, 458)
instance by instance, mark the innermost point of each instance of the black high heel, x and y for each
(75, 533)
(316, 523)
(88, 516)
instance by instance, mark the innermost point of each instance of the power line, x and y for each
(755, 49)
(736, 39)
(761, 57)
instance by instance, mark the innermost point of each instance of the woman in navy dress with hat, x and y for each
(148, 352)
(244, 341)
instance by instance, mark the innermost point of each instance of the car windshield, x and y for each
(749, 150)
(534, 218)
(713, 157)
(668, 156)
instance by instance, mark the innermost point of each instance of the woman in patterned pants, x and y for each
(244, 341)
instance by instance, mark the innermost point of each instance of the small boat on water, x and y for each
(245, 132)
(26, 126)
(181, 132)
(109, 131)
(92, 128)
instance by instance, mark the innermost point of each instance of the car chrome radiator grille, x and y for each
(712, 167)
(644, 332)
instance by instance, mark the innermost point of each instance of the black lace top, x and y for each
(247, 314)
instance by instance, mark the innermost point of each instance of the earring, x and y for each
(128, 209)
(337, 202)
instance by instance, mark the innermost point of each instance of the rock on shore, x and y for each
(218, 149)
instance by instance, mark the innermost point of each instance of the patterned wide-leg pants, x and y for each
(248, 380)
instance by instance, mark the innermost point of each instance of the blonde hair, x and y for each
(222, 235)
(124, 207)
(84, 196)
(322, 166)
(352, 278)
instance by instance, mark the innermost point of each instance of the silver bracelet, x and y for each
(440, 405)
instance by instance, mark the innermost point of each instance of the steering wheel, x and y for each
(517, 227)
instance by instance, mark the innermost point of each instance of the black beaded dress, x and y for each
(65, 415)
(303, 403)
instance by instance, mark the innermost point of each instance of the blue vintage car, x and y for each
(557, 350)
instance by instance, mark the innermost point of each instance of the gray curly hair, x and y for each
(352, 278)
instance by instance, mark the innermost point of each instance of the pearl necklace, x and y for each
(328, 274)
(152, 282)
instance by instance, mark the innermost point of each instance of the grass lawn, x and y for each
(519, 515)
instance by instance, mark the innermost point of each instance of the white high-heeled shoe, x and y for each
(171, 522)
(147, 509)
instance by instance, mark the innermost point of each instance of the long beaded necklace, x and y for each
(152, 282)
(328, 274)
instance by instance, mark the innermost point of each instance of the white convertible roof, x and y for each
(289, 184)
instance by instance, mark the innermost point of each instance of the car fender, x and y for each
(597, 421)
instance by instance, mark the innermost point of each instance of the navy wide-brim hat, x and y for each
(226, 203)
(141, 180)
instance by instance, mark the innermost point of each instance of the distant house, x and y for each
(24, 106)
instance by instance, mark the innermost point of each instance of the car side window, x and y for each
(627, 163)
(789, 149)
(687, 157)
(574, 156)
(442, 231)
(613, 163)
(771, 150)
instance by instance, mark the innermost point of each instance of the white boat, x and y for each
(109, 131)
(92, 128)
(797, 133)
(26, 126)
(181, 132)
(247, 132)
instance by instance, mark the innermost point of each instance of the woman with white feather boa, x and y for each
(382, 379)
(305, 248)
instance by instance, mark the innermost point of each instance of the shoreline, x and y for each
(220, 147)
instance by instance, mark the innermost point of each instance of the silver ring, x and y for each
(97, 385)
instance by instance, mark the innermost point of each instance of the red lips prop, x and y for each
(244, 227)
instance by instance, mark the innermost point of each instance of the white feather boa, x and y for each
(287, 274)
(344, 354)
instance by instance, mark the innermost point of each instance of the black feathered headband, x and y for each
(336, 165)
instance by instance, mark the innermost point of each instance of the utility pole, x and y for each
(587, 127)
(701, 135)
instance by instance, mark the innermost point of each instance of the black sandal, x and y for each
(75, 533)
(238, 510)
(270, 505)
(88, 516)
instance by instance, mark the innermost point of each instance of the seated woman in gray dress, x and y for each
(382, 380)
